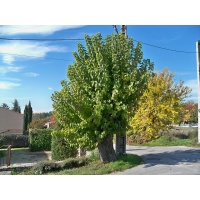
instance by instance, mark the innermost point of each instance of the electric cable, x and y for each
(80, 39)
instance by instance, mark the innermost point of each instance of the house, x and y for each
(11, 121)
(51, 122)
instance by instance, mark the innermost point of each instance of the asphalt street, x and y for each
(176, 160)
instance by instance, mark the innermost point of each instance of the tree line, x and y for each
(16, 107)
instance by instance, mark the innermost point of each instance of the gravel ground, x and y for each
(24, 157)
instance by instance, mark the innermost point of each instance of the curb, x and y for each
(17, 167)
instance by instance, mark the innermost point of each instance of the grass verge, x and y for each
(169, 141)
(174, 137)
(92, 167)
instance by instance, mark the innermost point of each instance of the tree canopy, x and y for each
(16, 106)
(4, 105)
(159, 106)
(28, 112)
(189, 112)
(105, 82)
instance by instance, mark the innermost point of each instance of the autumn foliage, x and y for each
(159, 106)
(189, 112)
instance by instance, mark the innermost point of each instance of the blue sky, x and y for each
(37, 74)
(36, 79)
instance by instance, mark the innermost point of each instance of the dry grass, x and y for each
(176, 136)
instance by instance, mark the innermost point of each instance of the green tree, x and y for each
(159, 106)
(38, 124)
(25, 119)
(194, 116)
(16, 106)
(4, 105)
(105, 82)
(28, 112)
(38, 116)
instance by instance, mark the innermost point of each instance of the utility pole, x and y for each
(198, 81)
(121, 139)
(124, 30)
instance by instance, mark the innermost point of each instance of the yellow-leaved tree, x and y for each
(158, 107)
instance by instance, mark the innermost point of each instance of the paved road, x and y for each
(156, 160)
(165, 161)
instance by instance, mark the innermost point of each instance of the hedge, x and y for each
(15, 140)
(40, 139)
(1, 140)
(60, 147)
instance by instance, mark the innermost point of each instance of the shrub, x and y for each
(1, 140)
(49, 166)
(38, 124)
(136, 139)
(94, 156)
(194, 138)
(1, 155)
(60, 146)
(181, 132)
(16, 141)
(40, 139)
(1, 152)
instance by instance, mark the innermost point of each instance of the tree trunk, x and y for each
(106, 150)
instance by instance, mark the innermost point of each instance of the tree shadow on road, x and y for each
(176, 157)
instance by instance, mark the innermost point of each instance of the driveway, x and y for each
(176, 160)
(23, 157)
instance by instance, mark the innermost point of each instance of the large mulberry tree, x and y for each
(105, 82)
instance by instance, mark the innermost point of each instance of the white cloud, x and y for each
(8, 85)
(8, 69)
(31, 74)
(49, 88)
(185, 73)
(194, 86)
(32, 49)
(10, 79)
(38, 29)
(8, 59)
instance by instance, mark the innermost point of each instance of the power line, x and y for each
(80, 39)
(115, 27)
(178, 51)
(39, 39)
